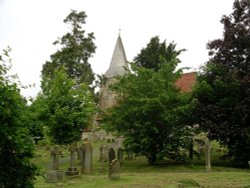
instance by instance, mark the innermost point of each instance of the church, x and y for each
(119, 67)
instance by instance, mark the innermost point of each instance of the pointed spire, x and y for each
(118, 64)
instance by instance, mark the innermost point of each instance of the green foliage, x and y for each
(151, 112)
(150, 57)
(76, 49)
(16, 146)
(223, 94)
(69, 108)
(35, 116)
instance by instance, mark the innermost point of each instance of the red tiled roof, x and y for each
(186, 82)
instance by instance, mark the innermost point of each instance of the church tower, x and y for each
(118, 67)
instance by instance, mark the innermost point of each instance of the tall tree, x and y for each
(16, 148)
(150, 57)
(76, 49)
(69, 108)
(223, 95)
(150, 110)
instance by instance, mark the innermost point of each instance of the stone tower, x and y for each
(118, 67)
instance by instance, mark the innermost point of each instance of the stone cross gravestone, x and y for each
(86, 161)
(114, 170)
(111, 154)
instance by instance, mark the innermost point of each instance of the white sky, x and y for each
(30, 27)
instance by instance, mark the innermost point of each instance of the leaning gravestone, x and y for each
(86, 161)
(114, 170)
(111, 154)
(72, 170)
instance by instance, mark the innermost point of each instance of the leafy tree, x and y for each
(69, 108)
(35, 116)
(150, 56)
(75, 52)
(16, 146)
(150, 112)
(223, 95)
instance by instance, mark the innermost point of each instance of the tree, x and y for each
(150, 56)
(75, 52)
(35, 116)
(16, 148)
(150, 112)
(223, 94)
(69, 108)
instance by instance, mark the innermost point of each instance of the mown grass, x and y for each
(137, 173)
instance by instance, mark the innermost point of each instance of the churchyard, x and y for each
(132, 171)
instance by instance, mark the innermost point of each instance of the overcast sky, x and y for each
(30, 27)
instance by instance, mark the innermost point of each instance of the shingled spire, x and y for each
(118, 65)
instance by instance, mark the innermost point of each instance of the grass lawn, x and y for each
(137, 173)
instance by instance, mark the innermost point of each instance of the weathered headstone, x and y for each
(72, 170)
(87, 155)
(51, 176)
(120, 154)
(114, 170)
(111, 154)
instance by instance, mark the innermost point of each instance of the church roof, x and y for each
(118, 64)
(186, 82)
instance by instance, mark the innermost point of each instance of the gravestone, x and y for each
(114, 170)
(86, 161)
(111, 154)
(72, 170)
(120, 154)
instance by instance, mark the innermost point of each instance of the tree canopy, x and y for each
(76, 49)
(69, 108)
(150, 111)
(223, 94)
(16, 146)
(150, 57)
